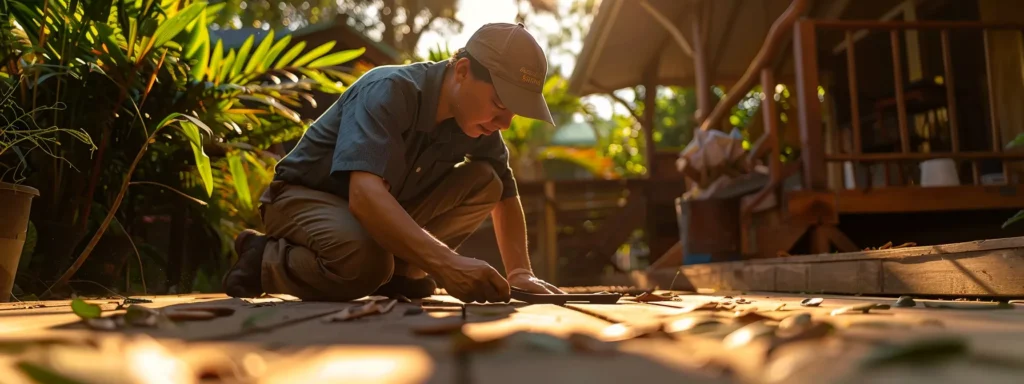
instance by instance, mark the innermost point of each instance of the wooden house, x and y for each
(899, 112)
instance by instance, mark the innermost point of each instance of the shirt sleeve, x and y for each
(492, 149)
(371, 127)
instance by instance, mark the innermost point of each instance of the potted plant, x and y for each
(21, 135)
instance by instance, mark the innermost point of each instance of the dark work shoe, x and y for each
(410, 288)
(243, 279)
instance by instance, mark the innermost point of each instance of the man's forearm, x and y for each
(388, 223)
(510, 232)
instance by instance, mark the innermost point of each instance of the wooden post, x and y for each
(550, 232)
(812, 148)
(647, 125)
(901, 102)
(992, 105)
(770, 113)
(700, 69)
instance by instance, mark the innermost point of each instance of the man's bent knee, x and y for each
(483, 178)
(359, 262)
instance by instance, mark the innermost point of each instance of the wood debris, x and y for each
(648, 297)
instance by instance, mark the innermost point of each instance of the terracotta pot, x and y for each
(15, 204)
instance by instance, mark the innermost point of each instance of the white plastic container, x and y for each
(939, 173)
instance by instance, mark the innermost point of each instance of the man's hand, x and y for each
(530, 283)
(470, 280)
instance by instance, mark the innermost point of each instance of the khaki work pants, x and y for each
(318, 251)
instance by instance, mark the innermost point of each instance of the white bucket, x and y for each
(939, 173)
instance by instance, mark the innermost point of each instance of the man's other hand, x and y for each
(530, 283)
(472, 280)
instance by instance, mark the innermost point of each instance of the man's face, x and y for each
(477, 108)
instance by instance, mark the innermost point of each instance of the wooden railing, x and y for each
(811, 128)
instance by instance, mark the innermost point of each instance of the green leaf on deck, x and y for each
(85, 310)
(251, 321)
(44, 375)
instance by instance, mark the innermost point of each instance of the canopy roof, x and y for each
(627, 41)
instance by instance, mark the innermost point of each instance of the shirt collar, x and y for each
(431, 95)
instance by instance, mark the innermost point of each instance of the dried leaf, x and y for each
(811, 302)
(905, 301)
(85, 310)
(744, 336)
(967, 305)
(862, 308)
(648, 297)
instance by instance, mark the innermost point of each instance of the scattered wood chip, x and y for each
(794, 324)
(780, 307)
(747, 334)
(748, 316)
(967, 305)
(386, 307)
(218, 310)
(811, 302)
(351, 313)
(862, 308)
(649, 297)
(190, 315)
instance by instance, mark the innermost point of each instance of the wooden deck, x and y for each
(279, 339)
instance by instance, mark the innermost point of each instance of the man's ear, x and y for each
(461, 69)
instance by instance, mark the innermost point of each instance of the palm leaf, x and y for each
(337, 58)
(313, 54)
(239, 179)
(290, 55)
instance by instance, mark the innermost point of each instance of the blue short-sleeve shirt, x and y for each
(384, 124)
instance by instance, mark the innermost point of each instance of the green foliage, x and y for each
(400, 24)
(85, 310)
(118, 71)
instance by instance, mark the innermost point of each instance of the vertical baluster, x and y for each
(992, 111)
(812, 147)
(851, 70)
(901, 103)
(950, 80)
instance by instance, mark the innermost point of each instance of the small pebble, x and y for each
(905, 301)
(812, 302)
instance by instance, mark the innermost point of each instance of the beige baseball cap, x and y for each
(517, 65)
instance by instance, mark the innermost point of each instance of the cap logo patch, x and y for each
(529, 77)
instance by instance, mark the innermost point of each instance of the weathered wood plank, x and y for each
(994, 273)
(845, 276)
(978, 268)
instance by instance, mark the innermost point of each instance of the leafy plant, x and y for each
(122, 71)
